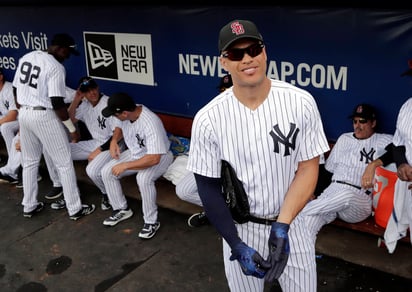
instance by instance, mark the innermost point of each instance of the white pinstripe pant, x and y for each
(111, 185)
(186, 190)
(42, 129)
(8, 131)
(300, 272)
(13, 160)
(79, 151)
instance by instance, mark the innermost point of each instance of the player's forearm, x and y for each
(300, 191)
(74, 104)
(215, 208)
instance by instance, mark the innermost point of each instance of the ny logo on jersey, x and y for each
(289, 140)
(140, 141)
(6, 104)
(368, 156)
(102, 122)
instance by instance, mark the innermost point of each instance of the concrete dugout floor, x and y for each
(50, 252)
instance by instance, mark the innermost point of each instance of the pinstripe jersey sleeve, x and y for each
(146, 135)
(403, 132)
(264, 145)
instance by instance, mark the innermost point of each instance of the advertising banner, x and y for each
(167, 57)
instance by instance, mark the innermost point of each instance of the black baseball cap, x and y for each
(409, 71)
(236, 30)
(66, 41)
(117, 103)
(365, 111)
(86, 83)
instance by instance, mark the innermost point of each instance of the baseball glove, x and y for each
(234, 194)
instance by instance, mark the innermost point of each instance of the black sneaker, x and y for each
(19, 185)
(85, 210)
(4, 178)
(59, 204)
(54, 193)
(105, 205)
(36, 210)
(197, 220)
(149, 230)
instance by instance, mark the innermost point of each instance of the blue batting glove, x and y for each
(278, 250)
(250, 260)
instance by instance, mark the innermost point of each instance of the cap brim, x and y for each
(239, 38)
(107, 112)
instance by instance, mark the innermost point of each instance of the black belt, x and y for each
(349, 184)
(36, 108)
(262, 220)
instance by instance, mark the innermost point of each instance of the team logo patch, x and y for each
(237, 28)
(119, 57)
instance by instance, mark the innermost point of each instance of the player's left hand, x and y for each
(278, 250)
(250, 260)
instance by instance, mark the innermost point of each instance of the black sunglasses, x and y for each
(237, 54)
(362, 121)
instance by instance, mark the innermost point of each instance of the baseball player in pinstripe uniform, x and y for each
(39, 87)
(87, 106)
(8, 121)
(400, 151)
(345, 198)
(271, 133)
(148, 157)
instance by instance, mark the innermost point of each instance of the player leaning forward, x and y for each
(40, 88)
(271, 133)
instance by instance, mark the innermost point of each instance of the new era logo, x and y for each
(120, 57)
(99, 56)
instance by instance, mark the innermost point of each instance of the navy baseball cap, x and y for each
(118, 103)
(409, 71)
(66, 41)
(365, 111)
(236, 30)
(86, 83)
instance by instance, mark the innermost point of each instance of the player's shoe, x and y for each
(149, 230)
(36, 210)
(4, 178)
(54, 193)
(85, 210)
(117, 217)
(198, 219)
(19, 185)
(105, 205)
(58, 205)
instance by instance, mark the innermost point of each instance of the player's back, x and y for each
(38, 76)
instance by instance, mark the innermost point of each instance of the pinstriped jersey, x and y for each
(146, 135)
(100, 127)
(7, 101)
(263, 145)
(38, 77)
(403, 132)
(350, 156)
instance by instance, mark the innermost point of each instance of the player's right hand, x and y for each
(250, 260)
(75, 137)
